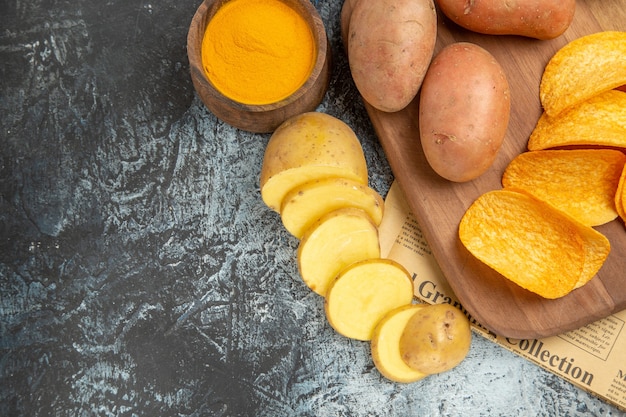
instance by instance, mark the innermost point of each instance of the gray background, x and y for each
(141, 273)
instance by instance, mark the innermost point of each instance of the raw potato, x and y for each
(390, 45)
(333, 242)
(464, 111)
(306, 147)
(581, 69)
(385, 345)
(306, 203)
(540, 19)
(346, 14)
(436, 339)
(363, 293)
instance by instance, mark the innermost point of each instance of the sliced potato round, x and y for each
(311, 200)
(363, 293)
(333, 242)
(306, 147)
(385, 345)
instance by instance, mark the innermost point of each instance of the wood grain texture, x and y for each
(438, 204)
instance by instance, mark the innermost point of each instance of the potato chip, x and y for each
(597, 248)
(532, 243)
(583, 68)
(600, 121)
(580, 182)
(620, 196)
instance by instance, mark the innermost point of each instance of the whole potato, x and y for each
(346, 15)
(390, 45)
(463, 112)
(307, 147)
(540, 19)
(436, 338)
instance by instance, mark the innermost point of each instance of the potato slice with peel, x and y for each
(582, 69)
(306, 147)
(363, 293)
(598, 121)
(333, 242)
(310, 201)
(385, 345)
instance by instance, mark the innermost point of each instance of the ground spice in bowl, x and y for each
(258, 51)
(256, 63)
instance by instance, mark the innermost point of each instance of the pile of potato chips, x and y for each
(538, 230)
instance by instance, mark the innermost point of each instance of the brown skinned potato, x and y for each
(307, 147)
(436, 338)
(464, 111)
(540, 19)
(346, 14)
(390, 45)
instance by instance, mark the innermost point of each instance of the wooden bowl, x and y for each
(267, 117)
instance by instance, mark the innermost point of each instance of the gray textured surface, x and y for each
(140, 272)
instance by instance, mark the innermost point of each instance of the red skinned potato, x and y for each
(390, 45)
(463, 111)
(346, 14)
(540, 19)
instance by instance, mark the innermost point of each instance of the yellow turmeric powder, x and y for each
(258, 51)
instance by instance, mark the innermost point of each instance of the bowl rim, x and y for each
(199, 22)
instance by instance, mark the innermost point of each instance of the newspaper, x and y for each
(591, 357)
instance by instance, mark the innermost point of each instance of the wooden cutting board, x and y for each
(438, 205)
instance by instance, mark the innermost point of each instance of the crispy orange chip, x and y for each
(620, 196)
(600, 120)
(582, 69)
(532, 243)
(580, 182)
(597, 248)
